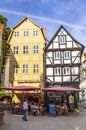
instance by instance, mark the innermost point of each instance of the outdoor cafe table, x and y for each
(17, 109)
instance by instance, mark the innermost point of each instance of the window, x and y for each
(62, 39)
(67, 54)
(66, 71)
(56, 55)
(25, 50)
(35, 49)
(15, 49)
(25, 68)
(57, 71)
(35, 68)
(16, 34)
(15, 68)
(35, 33)
(26, 33)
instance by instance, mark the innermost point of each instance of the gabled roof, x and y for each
(24, 20)
(19, 24)
(68, 34)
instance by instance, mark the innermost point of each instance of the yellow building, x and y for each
(27, 40)
(84, 56)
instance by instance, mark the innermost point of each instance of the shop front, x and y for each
(20, 92)
(63, 94)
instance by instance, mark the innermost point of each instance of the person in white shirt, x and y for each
(25, 110)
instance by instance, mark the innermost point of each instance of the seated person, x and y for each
(32, 107)
(59, 110)
(64, 108)
(42, 108)
(35, 109)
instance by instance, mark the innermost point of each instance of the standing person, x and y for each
(25, 110)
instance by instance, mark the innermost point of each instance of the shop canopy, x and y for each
(61, 89)
(21, 88)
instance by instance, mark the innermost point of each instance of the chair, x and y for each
(43, 110)
(65, 111)
(2, 118)
(34, 111)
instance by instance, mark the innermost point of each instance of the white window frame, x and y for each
(57, 71)
(26, 33)
(35, 68)
(57, 55)
(25, 68)
(36, 49)
(35, 33)
(15, 68)
(16, 33)
(66, 71)
(62, 39)
(25, 49)
(67, 55)
(15, 49)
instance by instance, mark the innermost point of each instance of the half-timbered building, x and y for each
(63, 57)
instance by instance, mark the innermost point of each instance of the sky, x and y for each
(49, 14)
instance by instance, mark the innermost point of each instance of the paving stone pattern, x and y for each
(72, 121)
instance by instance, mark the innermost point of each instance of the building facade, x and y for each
(63, 56)
(27, 40)
(83, 78)
(1, 47)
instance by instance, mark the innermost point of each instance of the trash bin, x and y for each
(52, 109)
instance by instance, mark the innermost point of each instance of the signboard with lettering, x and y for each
(71, 103)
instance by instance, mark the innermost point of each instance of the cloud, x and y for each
(45, 1)
(46, 19)
(18, 0)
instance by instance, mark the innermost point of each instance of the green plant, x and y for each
(3, 93)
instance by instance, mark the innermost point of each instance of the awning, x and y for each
(21, 88)
(61, 89)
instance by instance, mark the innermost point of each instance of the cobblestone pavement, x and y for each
(72, 121)
(83, 104)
